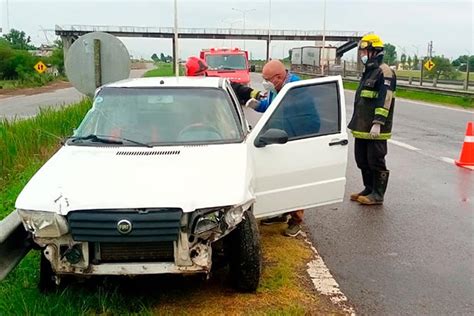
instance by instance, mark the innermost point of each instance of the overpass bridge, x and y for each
(348, 39)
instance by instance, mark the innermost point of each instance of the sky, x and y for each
(409, 25)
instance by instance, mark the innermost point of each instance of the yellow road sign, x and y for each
(429, 65)
(40, 67)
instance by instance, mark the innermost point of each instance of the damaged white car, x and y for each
(163, 174)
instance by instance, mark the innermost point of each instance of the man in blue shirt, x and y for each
(300, 117)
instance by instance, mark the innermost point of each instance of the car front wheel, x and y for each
(246, 254)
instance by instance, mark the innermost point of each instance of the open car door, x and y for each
(299, 148)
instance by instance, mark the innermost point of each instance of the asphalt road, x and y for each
(26, 106)
(412, 256)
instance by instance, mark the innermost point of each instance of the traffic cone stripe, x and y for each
(469, 139)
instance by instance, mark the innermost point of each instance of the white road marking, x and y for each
(401, 144)
(325, 283)
(448, 160)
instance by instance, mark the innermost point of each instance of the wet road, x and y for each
(414, 255)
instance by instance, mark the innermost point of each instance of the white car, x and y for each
(162, 172)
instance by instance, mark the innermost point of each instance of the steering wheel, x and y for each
(199, 127)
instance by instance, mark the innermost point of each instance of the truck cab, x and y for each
(231, 63)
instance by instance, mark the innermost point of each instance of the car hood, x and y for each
(188, 177)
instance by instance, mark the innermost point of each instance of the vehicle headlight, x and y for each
(211, 219)
(44, 224)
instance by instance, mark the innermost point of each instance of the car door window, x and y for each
(308, 111)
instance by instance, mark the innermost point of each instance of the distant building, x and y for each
(42, 51)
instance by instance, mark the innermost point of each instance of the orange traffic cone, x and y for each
(467, 152)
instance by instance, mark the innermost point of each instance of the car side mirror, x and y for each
(271, 136)
(252, 68)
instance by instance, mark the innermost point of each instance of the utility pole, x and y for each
(430, 49)
(176, 50)
(7, 30)
(269, 28)
(322, 63)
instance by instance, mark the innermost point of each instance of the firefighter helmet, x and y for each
(371, 41)
(196, 66)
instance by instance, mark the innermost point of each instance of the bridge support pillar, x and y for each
(268, 50)
(67, 43)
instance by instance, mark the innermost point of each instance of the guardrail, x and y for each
(14, 243)
(449, 92)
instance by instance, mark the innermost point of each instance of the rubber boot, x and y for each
(380, 185)
(367, 179)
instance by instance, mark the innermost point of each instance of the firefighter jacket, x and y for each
(374, 100)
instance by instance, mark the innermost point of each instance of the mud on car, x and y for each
(163, 174)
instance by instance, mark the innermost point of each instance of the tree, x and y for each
(461, 63)
(416, 63)
(162, 57)
(409, 62)
(443, 69)
(403, 60)
(57, 58)
(154, 57)
(19, 40)
(390, 56)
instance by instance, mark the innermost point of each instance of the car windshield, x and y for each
(159, 116)
(226, 62)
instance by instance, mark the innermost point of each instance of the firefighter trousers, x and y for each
(370, 154)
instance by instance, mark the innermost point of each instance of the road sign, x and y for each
(40, 67)
(85, 60)
(429, 65)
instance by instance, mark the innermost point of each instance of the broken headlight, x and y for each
(44, 224)
(222, 219)
(207, 222)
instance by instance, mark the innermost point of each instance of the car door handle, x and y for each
(342, 142)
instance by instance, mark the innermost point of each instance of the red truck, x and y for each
(231, 63)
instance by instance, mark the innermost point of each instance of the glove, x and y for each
(252, 103)
(375, 131)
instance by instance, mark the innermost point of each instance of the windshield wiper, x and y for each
(106, 139)
(133, 141)
(95, 138)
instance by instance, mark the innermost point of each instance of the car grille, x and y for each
(150, 225)
(136, 252)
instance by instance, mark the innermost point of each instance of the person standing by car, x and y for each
(198, 67)
(301, 115)
(371, 122)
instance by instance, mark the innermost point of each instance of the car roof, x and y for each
(208, 82)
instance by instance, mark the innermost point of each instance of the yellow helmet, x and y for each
(371, 41)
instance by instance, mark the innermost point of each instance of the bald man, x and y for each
(275, 76)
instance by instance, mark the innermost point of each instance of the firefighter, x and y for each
(371, 122)
(198, 67)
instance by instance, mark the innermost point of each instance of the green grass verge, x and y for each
(25, 144)
(163, 70)
(431, 97)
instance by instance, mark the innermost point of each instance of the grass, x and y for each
(25, 144)
(33, 81)
(432, 97)
(163, 70)
(284, 290)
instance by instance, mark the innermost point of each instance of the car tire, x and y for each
(47, 276)
(245, 255)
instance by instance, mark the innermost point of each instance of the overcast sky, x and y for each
(410, 25)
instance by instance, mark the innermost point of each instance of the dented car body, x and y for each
(164, 173)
